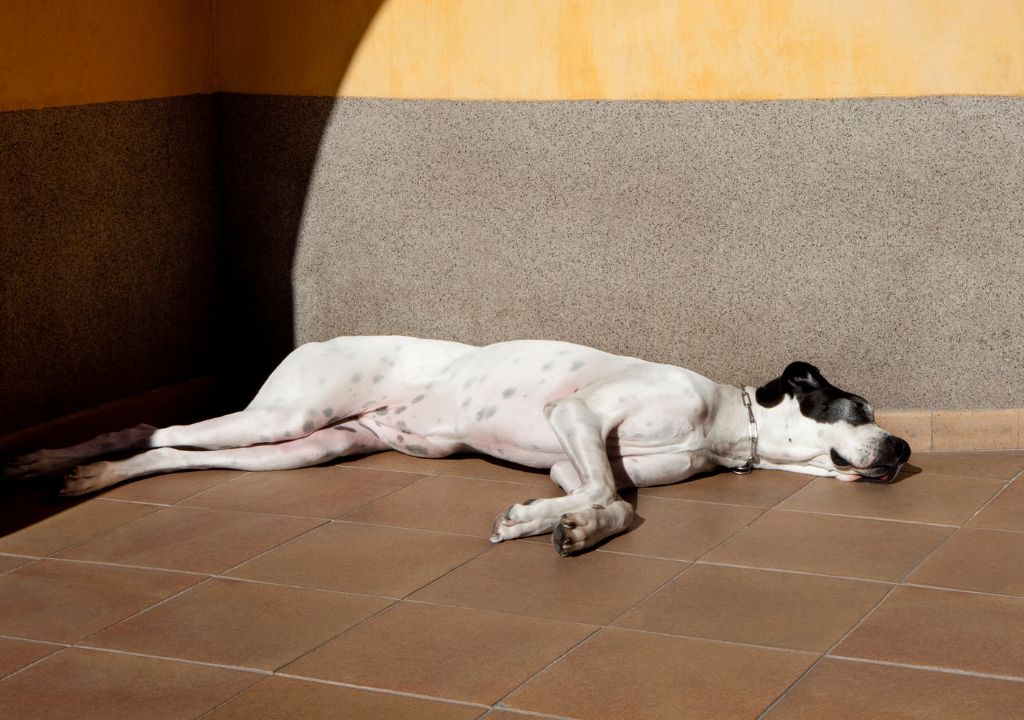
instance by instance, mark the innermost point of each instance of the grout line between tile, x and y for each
(713, 563)
(222, 666)
(167, 599)
(992, 499)
(528, 713)
(57, 648)
(928, 668)
(864, 517)
(224, 702)
(384, 691)
(133, 502)
(289, 541)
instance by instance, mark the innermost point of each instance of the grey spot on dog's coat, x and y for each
(346, 428)
(548, 365)
(486, 413)
(577, 365)
(357, 377)
(308, 426)
(404, 428)
(328, 412)
(377, 379)
(465, 403)
(400, 439)
(416, 399)
(400, 409)
(508, 392)
(417, 449)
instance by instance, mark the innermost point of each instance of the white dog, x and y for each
(598, 421)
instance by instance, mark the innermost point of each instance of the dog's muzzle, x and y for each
(893, 452)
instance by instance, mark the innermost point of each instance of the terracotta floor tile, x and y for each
(679, 529)
(943, 629)
(93, 685)
(66, 601)
(16, 654)
(999, 465)
(72, 525)
(761, 488)
(922, 497)
(279, 698)
(311, 492)
(449, 504)
(531, 579)
(391, 460)
(982, 560)
(9, 562)
(231, 622)
(626, 674)
(172, 487)
(799, 612)
(1006, 512)
(392, 562)
(839, 690)
(851, 547)
(486, 468)
(457, 653)
(192, 539)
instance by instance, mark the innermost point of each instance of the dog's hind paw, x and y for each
(85, 479)
(33, 465)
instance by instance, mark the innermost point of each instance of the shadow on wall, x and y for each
(267, 152)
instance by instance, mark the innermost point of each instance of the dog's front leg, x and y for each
(591, 511)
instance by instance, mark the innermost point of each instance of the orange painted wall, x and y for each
(67, 52)
(71, 52)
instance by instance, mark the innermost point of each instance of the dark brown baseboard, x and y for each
(182, 402)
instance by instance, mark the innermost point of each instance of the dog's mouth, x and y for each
(882, 474)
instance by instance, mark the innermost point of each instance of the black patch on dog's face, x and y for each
(819, 399)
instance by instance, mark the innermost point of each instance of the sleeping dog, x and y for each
(600, 422)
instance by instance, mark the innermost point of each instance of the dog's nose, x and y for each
(897, 449)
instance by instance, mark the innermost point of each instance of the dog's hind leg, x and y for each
(348, 438)
(240, 429)
(50, 462)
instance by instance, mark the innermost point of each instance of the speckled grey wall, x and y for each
(108, 253)
(879, 239)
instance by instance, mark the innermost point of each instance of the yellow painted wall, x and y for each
(70, 52)
(628, 49)
(66, 52)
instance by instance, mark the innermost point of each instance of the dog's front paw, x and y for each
(574, 532)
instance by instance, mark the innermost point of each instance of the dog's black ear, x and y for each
(803, 377)
(797, 378)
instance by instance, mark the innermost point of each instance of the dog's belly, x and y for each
(490, 400)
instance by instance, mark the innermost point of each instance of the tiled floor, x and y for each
(369, 590)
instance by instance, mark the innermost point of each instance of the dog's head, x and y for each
(828, 431)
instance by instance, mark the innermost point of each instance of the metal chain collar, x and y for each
(749, 464)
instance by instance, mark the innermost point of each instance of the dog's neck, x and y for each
(730, 436)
